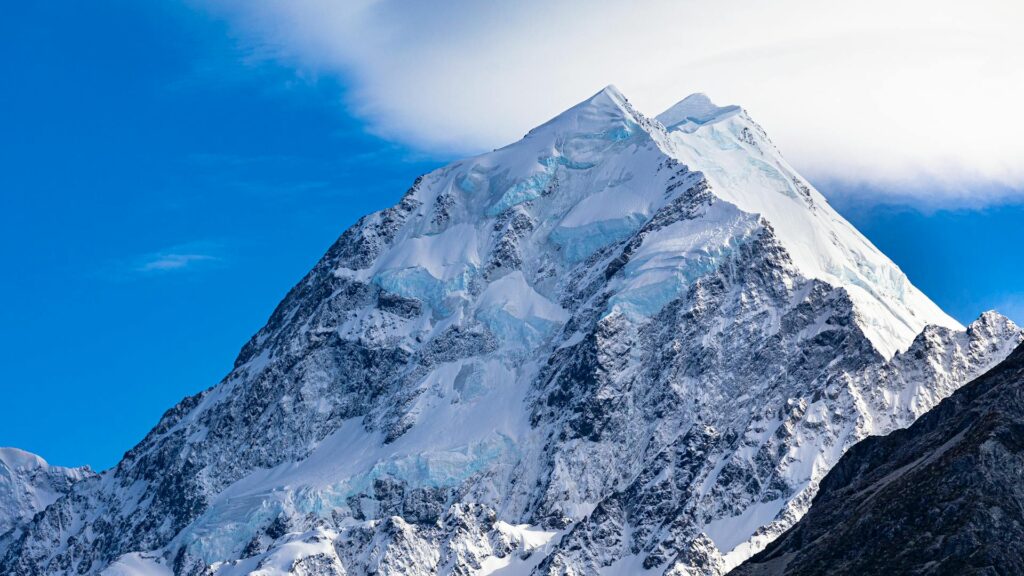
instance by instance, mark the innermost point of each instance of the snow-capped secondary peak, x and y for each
(17, 459)
(28, 484)
(744, 168)
(694, 111)
(608, 347)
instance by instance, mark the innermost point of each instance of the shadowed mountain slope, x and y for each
(944, 496)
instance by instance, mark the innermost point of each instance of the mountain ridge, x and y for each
(938, 497)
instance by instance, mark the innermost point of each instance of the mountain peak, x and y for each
(537, 359)
(610, 103)
(612, 93)
(694, 111)
(607, 107)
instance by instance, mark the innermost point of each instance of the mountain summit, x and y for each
(613, 346)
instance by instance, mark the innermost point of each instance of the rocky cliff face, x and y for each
(618, 344)
(941, 497)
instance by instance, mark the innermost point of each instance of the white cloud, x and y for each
(176, 258)
(165, 262)
(924, 96)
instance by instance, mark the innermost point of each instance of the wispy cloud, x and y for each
(170, 261)
(917, 96)
(173, 260)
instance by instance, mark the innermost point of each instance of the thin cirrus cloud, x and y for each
(166, 262)
(172, 260)
(917, 97)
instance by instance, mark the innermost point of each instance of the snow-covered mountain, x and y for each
(620, 344)
(28, 484)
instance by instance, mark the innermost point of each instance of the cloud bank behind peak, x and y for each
(918, 96)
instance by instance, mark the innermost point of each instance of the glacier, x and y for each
(622, 344)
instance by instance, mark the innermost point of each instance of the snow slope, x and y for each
(611, 346)
(745, 169)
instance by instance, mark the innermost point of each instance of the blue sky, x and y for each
(163, 185)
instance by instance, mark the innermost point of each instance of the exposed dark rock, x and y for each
(943, 496)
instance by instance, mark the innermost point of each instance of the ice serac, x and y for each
(28, 484)
(610, 347)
